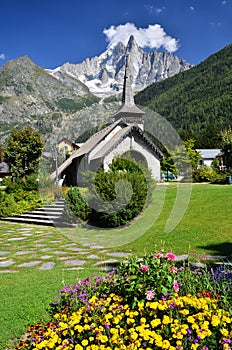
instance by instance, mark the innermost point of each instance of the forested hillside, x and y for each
(197, 102)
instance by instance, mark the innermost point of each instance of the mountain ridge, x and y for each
(197, 102)
(104, 74)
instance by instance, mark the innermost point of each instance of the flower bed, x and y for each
(149, 303)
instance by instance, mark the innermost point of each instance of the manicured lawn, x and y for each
(206, 228)
(25, 298)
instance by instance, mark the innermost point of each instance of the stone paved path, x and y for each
(44, 248)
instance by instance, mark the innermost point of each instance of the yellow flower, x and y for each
(215, 320)
(155, 322)
(166, 319)
(84, 342)
(224, 332)
(78, 347)
(165, 344)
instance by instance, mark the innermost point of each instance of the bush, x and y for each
(18, 202)
(116, 197)
(144, 304)
(78, 206)
(204, 174)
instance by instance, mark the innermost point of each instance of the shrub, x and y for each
(78, 206)
(204, 174)
(116, 197)
(18, 202)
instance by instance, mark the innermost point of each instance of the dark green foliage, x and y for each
(167, 164)
(18, 202)
(3, 99)
(71, 106)
(23, 150)
(77, 205)
(196, 102)
(114, 197)
(204, 174)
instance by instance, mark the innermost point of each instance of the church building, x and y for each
(124, 136)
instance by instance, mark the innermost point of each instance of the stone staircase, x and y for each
(49, 215)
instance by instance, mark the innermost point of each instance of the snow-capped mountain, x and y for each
(103, 74)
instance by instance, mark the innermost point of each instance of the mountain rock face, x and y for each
(103, 75)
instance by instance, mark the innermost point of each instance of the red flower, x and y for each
(170, 256)
(144, 268)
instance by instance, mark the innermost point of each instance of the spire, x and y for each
(128, 110)
(127, 94)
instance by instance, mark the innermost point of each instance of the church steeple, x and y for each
(128, 111)
(127, 94)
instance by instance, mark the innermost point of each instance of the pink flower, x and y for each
(159, 255)
(150, 294)
(175, 286)
(144, 268)
(170, 256)
(173, 269)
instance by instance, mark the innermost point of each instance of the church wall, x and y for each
(137, 145)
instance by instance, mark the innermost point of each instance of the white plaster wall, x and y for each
(131, 144)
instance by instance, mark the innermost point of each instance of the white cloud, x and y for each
(2, 56)
(153, 37)
(215, 24)
(223, 2)
(152, 9)
(192, 8)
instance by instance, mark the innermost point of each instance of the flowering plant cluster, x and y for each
(143, 304)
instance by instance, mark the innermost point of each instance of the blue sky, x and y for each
(52, 32)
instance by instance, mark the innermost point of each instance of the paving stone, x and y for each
(47, 266)
(66, 257)
(41, 245)
(83, 253)
(119, 254)
(74, 262)
(7, 263)
(4, 252)
(44, 257)
(96, 247)
(47, 249)
(24, 252)
(27, 234)
(55, 241)
(57, 252)
(30, 264)
(25, 229)
(16, 238)
(92, 256)
(105, 262)
(8, 271)
(75, 249)
(182, 257)
(69, 245)
(76, 268)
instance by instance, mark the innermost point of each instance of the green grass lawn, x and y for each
(206, 228)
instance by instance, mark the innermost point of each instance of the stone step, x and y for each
(29, 221)
(50, 215)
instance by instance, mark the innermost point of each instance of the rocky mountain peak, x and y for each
(132, 44)
(103, 74)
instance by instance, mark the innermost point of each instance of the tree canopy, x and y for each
(23, 151)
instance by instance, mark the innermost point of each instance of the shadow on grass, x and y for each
(221, 249)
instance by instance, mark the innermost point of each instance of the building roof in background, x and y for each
(210, 153)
